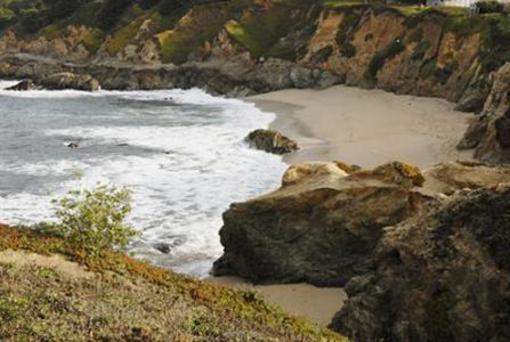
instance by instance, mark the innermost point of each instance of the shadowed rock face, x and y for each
(490, 134)
(320, 227)
(442, 276)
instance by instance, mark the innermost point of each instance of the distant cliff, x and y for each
(253, 46)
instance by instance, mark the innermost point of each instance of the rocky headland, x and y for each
(421, 255)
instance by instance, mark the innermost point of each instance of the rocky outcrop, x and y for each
(67, 80)
(22, 86)
(423, 256)
(271, 141)
(443, 276)
(490, 134)
(321, 226)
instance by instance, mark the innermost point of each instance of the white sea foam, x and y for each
(182, 181)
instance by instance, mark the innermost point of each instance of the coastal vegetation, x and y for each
(68, 283)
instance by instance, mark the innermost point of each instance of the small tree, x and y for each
(94, 219)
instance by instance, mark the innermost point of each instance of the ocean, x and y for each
(180, 152)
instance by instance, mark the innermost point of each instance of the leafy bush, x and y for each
(94, 219)
(110, 13)
(348, 50)
(146, 4)
(168, 6)
(490, 6)
(388, 52)
(58, 9)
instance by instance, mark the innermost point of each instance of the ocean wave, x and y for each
(182, 179)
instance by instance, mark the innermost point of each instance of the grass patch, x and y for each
(199, 25)
(131, 297)
(93, 40)
(121, 38)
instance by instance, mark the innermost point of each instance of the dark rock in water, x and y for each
(442, 276)
(321, 226)
(164, 248)
(271, 141)
(123, 145)
(24, 85)
(73, 145)
(68, 80)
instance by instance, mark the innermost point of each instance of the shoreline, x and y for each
(366, 127)
(421, 131)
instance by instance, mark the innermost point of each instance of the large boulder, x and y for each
(321, 227)
(24, 85)
(68, 80)
(441, 276)
(271, 141)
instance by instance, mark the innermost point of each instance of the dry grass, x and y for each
(129, 300)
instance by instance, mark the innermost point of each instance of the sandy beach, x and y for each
(363, 127)
(366, 127)
(316, 304)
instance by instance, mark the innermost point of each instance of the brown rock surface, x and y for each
(441, 276)
(320, 227)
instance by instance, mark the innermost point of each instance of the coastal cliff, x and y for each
(240, 48)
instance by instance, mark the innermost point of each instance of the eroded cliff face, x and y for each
(360, 45)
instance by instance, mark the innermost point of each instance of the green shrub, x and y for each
(94, 219)
(377, 62)
(146, 4)
(58, 9)
(420, 50)
(348, 50)
(490, 6)
(110, 13)
(428, 69)
(168, 6)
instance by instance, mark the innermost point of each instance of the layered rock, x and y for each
(321, 226)
(490, 133)
(271, 141)
(443, 276)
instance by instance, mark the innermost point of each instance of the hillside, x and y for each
(51, 291)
